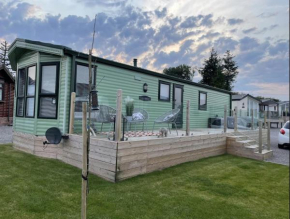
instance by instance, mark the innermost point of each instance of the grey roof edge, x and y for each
(38, 43)
(7, 72)
(248, 95)
(68, 50)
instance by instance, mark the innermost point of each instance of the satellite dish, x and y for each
(53, 136)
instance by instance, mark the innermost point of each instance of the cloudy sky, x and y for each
(166, 33)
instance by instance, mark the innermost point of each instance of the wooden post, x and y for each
(260, 137)
(72, 113)
(265, 119)
(269, 137)
(236, 119)
(188, 118)
(252, 121)
(225, 119)
(118, 116)
(85, 162)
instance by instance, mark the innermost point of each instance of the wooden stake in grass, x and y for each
(118, 116)
(85, 162)
(72, 112)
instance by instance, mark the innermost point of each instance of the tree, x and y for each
(182, 71)
(230, 70)
(4, 54)
(212, 71)
(220, 73)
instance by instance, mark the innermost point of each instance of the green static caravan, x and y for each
(48, 73)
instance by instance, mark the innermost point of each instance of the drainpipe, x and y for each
(9, 102)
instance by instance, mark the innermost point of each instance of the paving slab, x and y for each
(5, 134)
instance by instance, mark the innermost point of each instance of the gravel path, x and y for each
(280, 156)
(5, 134)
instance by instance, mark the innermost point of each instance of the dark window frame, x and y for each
(159, 90)
(17, 93)
(43, 95)
(26, 87)
(199, 106)
(76, 73)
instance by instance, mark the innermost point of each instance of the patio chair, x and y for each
(139, 116)
(105, 114)
(169, 118)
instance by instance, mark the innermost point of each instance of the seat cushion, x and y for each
(137, 116)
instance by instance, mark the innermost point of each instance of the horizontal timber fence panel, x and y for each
(116, 161)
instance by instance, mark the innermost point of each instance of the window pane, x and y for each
(47, 107)
(1, 93)
(82, 81)
(202, 99)
(21, 82)
(48, 80)
(164, 91)
(20, 105)
(31, 81)
(30, 107)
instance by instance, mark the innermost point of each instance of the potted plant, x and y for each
(129, 102)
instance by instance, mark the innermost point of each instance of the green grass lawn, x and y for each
(219, 187)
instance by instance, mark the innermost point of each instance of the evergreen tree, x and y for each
(212, 71)
(230, 70)
(181, 71)
(4, 60)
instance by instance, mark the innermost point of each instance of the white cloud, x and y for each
(279, 90)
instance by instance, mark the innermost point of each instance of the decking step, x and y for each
(238, 137)
(254, 148)
(264, 152)
(247, 141)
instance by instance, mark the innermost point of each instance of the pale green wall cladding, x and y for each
(117, 78)
(114, 79)
(39, 126)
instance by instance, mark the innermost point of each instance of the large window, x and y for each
(1, 90)
(82, 84)
(20, 92)
(82, 80)
(26, 92)
(48, 90)
(30, 91)
(164, 91)
(202, 103)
